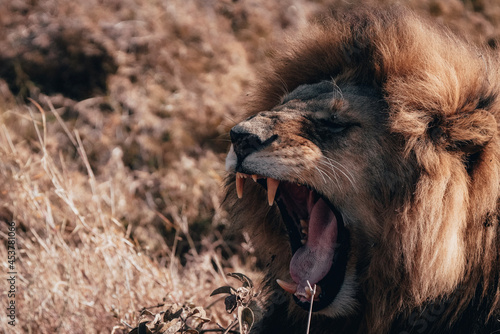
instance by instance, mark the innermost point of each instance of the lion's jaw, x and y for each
(310, 144)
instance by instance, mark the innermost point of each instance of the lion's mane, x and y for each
(442, 99)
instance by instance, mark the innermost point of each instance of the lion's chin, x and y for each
(318, 240)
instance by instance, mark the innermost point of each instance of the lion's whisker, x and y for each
(333, 178)
(342, 169)
(337, 168)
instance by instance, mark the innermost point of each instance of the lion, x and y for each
(367, 171)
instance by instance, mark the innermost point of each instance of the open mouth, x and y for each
(318, 240)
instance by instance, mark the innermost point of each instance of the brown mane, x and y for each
(442, 99)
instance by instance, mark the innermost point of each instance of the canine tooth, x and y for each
(288, 287)
(255, 177)
(309, 292)
(304, 223)
(239, 185)
(304, 231)
(272, 187)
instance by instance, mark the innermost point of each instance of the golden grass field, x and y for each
(113, 130)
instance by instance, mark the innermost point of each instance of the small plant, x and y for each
(186, 319)
(241, 299)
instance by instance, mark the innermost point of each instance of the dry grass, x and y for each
(115, 186)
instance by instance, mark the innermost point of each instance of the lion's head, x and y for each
(373, 143)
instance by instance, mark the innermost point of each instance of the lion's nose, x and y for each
(247, 140)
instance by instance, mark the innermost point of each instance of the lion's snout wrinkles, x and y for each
(373, 140)
(271, 144)
(251, 136)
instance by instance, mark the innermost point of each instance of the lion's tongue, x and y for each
(313, 261)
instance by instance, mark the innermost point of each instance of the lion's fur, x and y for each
(441, 245)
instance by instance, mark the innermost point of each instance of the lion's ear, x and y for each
(469, 132)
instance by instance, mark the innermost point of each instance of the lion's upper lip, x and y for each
(317, 239)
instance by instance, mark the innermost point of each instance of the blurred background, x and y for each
(114, 117)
